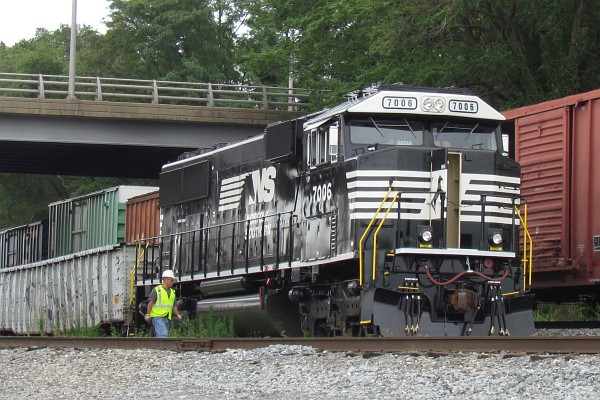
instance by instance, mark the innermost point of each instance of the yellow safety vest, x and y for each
(164, 303)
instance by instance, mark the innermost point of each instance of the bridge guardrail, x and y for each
(156, 91)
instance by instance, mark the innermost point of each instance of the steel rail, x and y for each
(567, 324)
(444, 345)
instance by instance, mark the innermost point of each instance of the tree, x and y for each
(48, 52)
(320, 44)
(25, 198)
(177, 39)
(513, 52)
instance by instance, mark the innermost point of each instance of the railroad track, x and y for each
(441, 345)
(567, 324)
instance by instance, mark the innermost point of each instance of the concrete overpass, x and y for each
(100, 138)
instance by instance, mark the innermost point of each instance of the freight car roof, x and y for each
(124, 192)
(551, 105)
(413, 101)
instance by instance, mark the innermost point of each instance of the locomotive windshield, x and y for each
(386, 131)
(464, 135)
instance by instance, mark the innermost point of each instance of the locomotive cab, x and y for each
(430, 218)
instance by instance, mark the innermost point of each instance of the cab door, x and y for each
(439, 203)
(319, 212)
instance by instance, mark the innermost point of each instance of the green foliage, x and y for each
(512, 52)
(210, 325)
(42, 326)
(566, 312)
(81, 329)
(178, 39)
(24, 198)
(144, 332)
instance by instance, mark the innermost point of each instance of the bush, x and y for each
(211, 325)
(566, 312)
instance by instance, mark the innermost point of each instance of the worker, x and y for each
(161, 305)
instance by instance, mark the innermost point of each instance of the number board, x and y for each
(400, 103)
(463, 106)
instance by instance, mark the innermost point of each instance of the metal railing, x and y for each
(219, 249)
(156, 92)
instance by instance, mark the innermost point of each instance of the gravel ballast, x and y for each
(292, 372)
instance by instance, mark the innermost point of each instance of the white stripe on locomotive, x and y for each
(471, 188)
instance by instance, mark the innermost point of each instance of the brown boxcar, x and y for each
(143, 217)
(557, 144)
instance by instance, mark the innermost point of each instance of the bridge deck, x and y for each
(82, 137)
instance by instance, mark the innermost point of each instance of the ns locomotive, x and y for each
(394, 213)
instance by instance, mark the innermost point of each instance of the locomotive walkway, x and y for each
(127, 127)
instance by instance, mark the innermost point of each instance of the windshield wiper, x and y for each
(442, 130)
(376, 127)
(410, 127)
(472, 130)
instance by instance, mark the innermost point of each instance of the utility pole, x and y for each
(72, 52)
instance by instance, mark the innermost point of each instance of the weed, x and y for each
(81, 329)
(566, 312)
(209, 325)
(42, 326)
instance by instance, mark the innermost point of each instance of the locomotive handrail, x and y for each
(156, 91)
(398, 198)
(203, 232)
(527, 261)
(365, 234)
(442, 195)
(513, 198)
(132, 274)
(377, 232)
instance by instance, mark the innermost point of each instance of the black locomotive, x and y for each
(394, 213)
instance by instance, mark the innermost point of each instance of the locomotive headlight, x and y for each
(433, 104)
(427, 104)
(495, 239)
(439, 104)
(425, 235)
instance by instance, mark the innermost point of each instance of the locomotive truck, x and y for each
(394, 213)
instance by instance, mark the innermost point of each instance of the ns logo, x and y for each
(263, 185)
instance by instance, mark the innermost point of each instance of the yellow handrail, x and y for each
(360, 243)
(527, 261)
(134, 270)
(377, 232)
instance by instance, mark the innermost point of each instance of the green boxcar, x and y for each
(90, 221)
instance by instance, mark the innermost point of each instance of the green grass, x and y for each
(566, 312)
(211, 325)
(81, 329)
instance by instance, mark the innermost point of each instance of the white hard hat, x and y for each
(168, 274)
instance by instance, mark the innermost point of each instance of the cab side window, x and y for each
(317, 147)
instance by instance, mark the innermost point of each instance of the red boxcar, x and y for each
(143, 217)
(557, 144)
